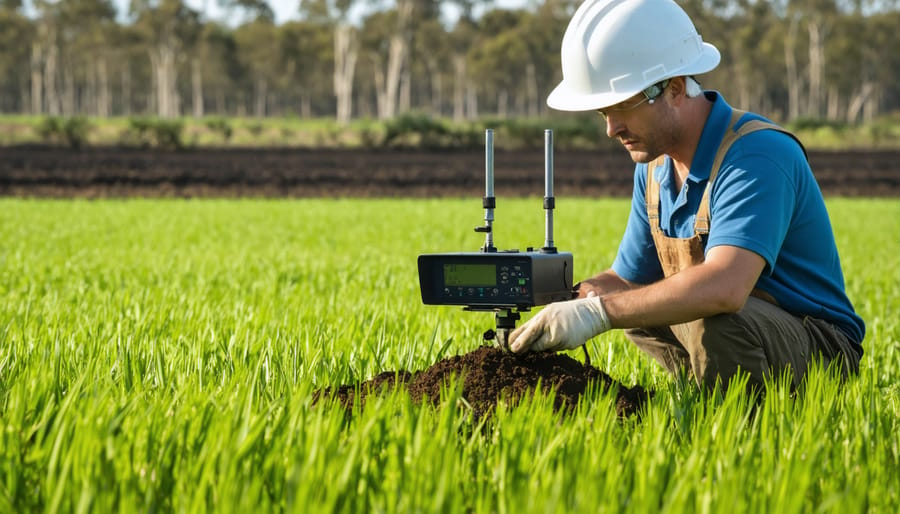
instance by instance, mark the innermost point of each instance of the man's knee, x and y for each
(661, 344)
(721, 347)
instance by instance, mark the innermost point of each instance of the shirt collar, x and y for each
(713, 132)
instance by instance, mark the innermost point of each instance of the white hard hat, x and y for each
(614, 49)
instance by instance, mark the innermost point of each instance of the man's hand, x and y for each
(561, 326)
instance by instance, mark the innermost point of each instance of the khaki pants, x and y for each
(761, 339)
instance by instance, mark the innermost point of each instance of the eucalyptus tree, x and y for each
(200, 47)
(753, 57)
(459, 40)
(807, 24)
(866, 76)
(387, 36)
(16, 34)
(428, 68)
(711, 19)
(516, 57)
(500, 55)
(851, 81)
(885, 65)
(306, 59)
(45, 59)
(221, 67)
(167, 27)
(462, 38)
(819, 17)
(543, 29)
(255, 45)
(209, 70)
(86, 31)
(336, 15)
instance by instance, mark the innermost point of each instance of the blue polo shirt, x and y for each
(764, 199)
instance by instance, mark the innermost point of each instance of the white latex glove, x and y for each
(561, 326)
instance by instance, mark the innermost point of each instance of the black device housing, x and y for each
(495, 280)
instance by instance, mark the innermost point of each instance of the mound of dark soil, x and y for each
(490, 374)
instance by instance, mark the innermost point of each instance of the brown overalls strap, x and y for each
(674, 253)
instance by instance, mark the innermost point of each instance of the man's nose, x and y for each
(614, 125)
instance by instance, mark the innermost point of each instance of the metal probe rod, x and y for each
(489, 201)
(549, 201)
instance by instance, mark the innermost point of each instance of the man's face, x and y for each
(646, 129)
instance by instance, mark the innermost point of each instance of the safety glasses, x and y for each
(650, 95)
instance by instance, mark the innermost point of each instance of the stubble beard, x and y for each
(662, 136)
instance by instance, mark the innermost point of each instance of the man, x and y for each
(728, 261)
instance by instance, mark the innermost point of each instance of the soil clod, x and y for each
(490, 375)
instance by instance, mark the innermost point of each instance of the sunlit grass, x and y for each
(161, 355)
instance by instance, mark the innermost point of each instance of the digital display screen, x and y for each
(470, 275)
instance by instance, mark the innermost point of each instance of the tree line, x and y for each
(790, 59)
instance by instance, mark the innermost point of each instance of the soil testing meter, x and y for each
(506, 282)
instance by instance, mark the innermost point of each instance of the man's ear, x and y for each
(677, 87)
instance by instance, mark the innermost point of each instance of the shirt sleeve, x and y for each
(636, 259)
(753, 197)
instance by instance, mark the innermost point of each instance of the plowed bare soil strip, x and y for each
(125, 172)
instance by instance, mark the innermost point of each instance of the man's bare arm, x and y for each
(719, 285)
(604, 283)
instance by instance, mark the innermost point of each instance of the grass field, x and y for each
(160, 356)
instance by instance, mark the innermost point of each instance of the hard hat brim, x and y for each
(564, 97)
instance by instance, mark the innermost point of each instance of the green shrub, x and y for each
(369, 136)
(807, 123)
(72, 131)
(220, 126)
(415, 128)
(577, 131)
(255, 128)
(157, 132)
(168, 133)
(467, 135)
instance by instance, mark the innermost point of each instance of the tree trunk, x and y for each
(531, 90)
(103, 98)
(858, 101)
(743, 78)
(68, 98)
(221, 103)
(378, 78)
(196, 87)
(398, 54)
(54, 106)
(305, 106)
(792, 75)
(870, 106)
(127, 106)
(816, 68)
(459, 87)
(346, 50)
(405, 92)
(436, 93)
(162, 59)
(833, 103)
(37, 76)
(90, 97)
(471, 101)
(260, 92)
